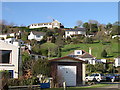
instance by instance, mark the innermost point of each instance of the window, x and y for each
(5, 56)
(67, 32)
(37, 36)
(78, 52)
(10, 73)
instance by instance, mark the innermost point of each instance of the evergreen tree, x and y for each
(104, 53)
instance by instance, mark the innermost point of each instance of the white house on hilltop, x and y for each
(36, 35)
(9, 58)
(53, 24)
(76, 31)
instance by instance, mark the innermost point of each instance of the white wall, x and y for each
(117, 62)
(14, 58)
(69, 33)
(40, 26)
(32, 36)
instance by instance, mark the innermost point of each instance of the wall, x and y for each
(14, 58)
(79, 70)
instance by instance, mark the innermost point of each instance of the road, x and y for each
(113, 86)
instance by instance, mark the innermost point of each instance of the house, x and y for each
(117, 61)
(83, 55)
(53, 24)
(76, 31)
(68, 69)
(36, 35)
(9, 58)
(12, 35)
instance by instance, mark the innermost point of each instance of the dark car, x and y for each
(113, 77)
(117, 77)
(110, 77)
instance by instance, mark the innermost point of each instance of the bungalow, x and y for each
(83, 55)
(53, 24)
(68, 69)
(9, 58)
(36, 35)
(76, 31)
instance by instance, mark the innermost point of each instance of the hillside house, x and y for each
(85, 56)
(117, 61)
(77, 31)
(9, 58)
(68, 69)
(13, 35)
(53, 24)
(36, 35)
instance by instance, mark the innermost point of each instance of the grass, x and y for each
(80, 88)
(97, 48)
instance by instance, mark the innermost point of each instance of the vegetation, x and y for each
(97, 48)
(104, 54)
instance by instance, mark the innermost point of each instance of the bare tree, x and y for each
(79, 23)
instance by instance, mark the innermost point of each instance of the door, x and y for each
(68, 74)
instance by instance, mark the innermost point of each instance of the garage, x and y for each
(69, 74)
(68, 69)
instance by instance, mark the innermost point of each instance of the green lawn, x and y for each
(97, 48)
(81, 88)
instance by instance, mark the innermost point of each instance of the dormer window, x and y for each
(78, 52)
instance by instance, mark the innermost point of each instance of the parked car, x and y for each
(95, 76)
(113, 77)
(110, 77)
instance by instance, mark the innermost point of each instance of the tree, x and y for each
(68, 39)
(25, 57)
(104, 53)
(53, 39)
(51, 48)
(79, 23)
(110, 68)
(88, 40)
(99, 67)
(90, 68)
(60, 41)
(41, 66)
(36, 49)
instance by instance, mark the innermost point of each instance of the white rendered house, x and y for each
(76, 31)
(9, 58)
(117, 61)
(36, 35)
(53, 24)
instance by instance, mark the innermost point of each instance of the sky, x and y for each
(68, 13)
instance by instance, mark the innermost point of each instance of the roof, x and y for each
(84, 55)
(38, 33)
(77, 29)
(66, 57)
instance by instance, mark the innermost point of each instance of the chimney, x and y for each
(90, 50)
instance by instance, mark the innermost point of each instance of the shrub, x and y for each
(104, 53)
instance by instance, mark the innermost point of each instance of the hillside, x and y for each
(97, 48)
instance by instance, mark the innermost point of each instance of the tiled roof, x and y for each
(38, 33)
(66, 57)
(77, 29)
(84, 55)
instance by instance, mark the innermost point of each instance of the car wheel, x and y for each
(112, 80)
(98, 80)
(86, 79)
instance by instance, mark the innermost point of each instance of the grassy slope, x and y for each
(97, 48)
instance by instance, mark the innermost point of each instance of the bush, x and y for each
(104, 53)
(22, 81)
